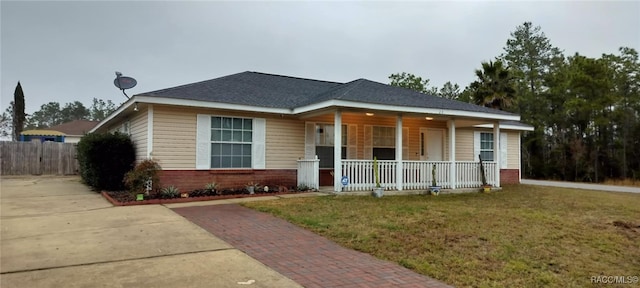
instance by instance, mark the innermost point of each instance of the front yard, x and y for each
(523, 236)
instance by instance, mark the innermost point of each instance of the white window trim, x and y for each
(373, 145)
(345, 128)
(502, 150)
(203, 142)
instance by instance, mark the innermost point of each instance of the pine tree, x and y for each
(18, 112)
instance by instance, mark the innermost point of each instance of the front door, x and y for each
(431, 144)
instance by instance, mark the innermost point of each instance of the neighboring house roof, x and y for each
(276, 91)
(75, 127)
(42, 132)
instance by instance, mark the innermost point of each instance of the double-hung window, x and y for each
(231, 140)
(324, 144)
(384, 142)
(486, 146)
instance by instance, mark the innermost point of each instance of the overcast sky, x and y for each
(67, 51)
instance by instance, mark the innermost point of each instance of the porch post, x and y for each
(496, 150)
(452, 153)
(399, 176)
(337, 151)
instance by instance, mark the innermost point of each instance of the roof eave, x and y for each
(300, 110)
(113, 115)
(508, 127)
(187, 103)
(404, 109)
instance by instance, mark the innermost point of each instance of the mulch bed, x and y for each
(124, 198)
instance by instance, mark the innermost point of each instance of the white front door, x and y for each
(431, 144)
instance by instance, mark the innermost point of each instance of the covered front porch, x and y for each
(409, 153)
(415, 175)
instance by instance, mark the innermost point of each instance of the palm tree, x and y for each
(494, 87)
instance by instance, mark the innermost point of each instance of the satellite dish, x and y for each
(124, 82)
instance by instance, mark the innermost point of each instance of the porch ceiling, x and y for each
(460, 121)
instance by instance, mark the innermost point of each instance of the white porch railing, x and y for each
(417, 175)
(468, 174)
(309, 173)
(361, 177)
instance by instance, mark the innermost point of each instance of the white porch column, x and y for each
(452, 153)
(399, 176)
(337, 151)
(496, 150)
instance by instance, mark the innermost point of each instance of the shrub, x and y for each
(136, 179)
(303, 188)
(169, 192)
(104, 159)
(211, 186)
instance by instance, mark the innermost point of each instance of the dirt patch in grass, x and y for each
(523, 236)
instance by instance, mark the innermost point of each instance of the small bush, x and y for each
(104, 159)
(211, 188)
(303, 188)
(169, 192)
(136, 179)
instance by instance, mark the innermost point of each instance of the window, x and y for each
(384, 143)
(231, 140)
(486, 146)
(324, 144)
(125, 128)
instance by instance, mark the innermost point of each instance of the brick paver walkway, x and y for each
(307, 258)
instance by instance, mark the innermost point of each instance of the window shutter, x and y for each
(258, 145)
(476, 145)
(503, 150)
(405, 143)
(203, 142)
(368, 142)
(352, 139)
(310, 141)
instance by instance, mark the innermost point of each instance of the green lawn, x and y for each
(522, 236)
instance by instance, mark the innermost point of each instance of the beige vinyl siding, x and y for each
(139, 134)
(137, 130)
(175, 129)
(464, 145)
(284, 143)
(513, 150)
(174, 137)
(174, 144)
(413, 123)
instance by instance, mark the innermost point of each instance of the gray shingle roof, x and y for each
(367, 91)
(250, 88)
(276, 91)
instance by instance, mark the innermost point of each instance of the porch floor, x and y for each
(329, 190)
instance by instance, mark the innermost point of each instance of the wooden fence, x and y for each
(38, 158)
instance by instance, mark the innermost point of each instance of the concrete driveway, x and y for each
(58, 233)
(587, 186)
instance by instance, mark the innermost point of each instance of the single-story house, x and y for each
(69, 132)
(281, 130)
